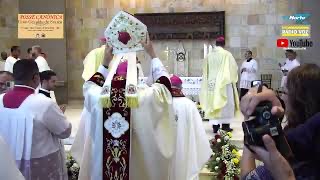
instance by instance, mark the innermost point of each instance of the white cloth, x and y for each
(43, 125)
(16, 128)
(140, 70)
(192, 145)
(152, 141)
(42, 64)
(9, 64)
(249, 75)
(2, 64)
(8, 168)
(288, 65)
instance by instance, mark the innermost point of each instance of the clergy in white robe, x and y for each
(8, 167)
(219, 95)
(120, 141)
(40, 60)
(290, 63)
(248, 71)
(11, 60)
(32, 124)
(192, 144)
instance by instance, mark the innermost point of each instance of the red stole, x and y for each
(15, 97)
(116, 154)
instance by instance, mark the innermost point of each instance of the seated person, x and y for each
(302, 100)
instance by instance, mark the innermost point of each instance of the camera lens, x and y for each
(266, 115)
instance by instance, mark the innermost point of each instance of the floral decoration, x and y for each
(225, 160)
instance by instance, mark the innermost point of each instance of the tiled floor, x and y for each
(74, 110)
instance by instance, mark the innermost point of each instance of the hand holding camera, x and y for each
(262, 109)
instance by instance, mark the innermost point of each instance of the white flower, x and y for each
(219, 140)
(217, 159)
(216, 168)
(213, 153)
(75, 165)
(226, 138)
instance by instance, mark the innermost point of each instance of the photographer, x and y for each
(302, 132)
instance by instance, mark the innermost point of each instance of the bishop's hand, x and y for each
(147, 44)
(108, 55)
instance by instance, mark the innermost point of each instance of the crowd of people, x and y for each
(132, 132)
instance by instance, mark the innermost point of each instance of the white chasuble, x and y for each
(192, 144)
(151, 128)
(218, 88)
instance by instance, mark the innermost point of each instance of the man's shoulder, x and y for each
(10, 59)
(184, 101)
(40, 100)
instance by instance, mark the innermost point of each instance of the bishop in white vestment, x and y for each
(126, 139)
(219, 95)
(192, 144)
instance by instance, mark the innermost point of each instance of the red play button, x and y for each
(283, 43)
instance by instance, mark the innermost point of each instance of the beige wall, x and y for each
(8, 24)
(253, 24)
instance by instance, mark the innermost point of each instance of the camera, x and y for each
(9, 84)
(256, 83)
(263, 122)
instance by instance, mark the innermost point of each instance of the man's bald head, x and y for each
(36, 51)
(4, 55)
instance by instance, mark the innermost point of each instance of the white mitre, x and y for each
(124, 34)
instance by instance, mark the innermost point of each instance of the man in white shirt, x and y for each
(39, 125)
(3, 60)
(11, 60)
(40, 60)
(291, 63)
(248, 73)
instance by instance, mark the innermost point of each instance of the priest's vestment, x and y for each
(219, 96)
(192, 146)
(119, 142)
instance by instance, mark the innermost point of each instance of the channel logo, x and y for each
(298, 44)
(282, 43)
(296, 31)
(298, 18)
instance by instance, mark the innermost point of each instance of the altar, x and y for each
(191, 85)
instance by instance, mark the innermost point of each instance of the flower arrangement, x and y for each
(73, 167)
(201, 112)
(225, 160)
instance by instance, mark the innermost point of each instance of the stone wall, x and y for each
(250, 24)
(8, 24)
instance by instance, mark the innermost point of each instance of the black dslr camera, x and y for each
(263, 122)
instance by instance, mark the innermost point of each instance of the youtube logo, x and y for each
(282, 43)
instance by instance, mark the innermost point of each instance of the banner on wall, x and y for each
(40, 26)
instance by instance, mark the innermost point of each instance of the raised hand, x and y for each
(108, 55)
(147, 44)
